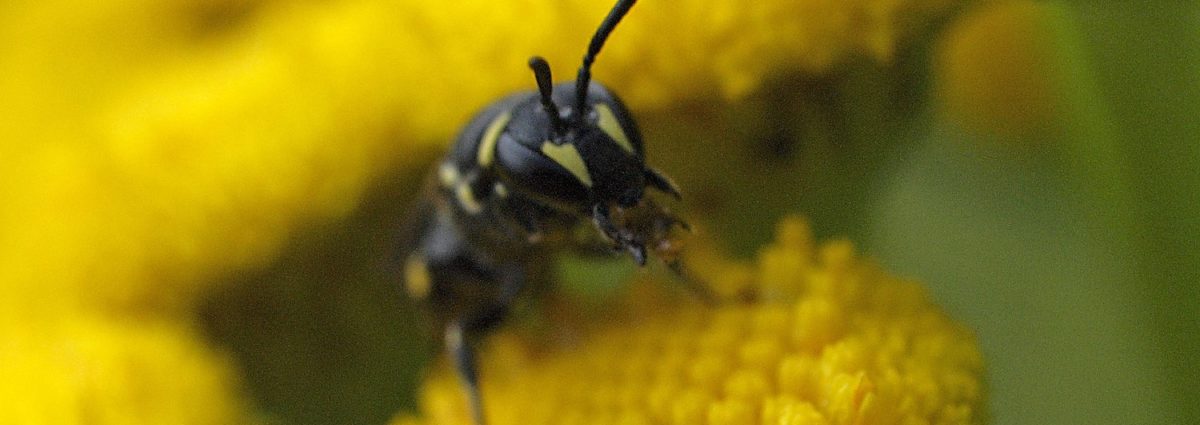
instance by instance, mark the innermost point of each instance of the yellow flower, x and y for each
(828, 338)
(1000, 71)
(203, 159)
(87, 370)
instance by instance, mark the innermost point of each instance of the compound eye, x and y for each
(550, 174)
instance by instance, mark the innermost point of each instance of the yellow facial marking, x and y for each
(568, 157)
(500, 190)
(417, 281)
(612, 127)
(466, 199)
(487, 144)
(448, 174)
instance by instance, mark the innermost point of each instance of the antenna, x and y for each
(541, 72)
(585, 71)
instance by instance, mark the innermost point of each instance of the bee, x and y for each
(521, 179)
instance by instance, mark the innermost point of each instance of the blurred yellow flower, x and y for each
(997, 69)
(829, 339)
(227, 142)
(82, 370)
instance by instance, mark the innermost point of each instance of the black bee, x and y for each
(520, 179)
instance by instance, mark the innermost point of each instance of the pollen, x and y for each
(820, 335)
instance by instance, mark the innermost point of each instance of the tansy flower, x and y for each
(826, 338)
(1000, 70)
(232, 140)
(92, 370)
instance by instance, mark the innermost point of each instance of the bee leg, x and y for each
(604, 222)
(463, 336)
(460, 345)
(693, 285)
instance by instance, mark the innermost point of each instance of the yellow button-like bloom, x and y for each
(824, 337)
(239, 131)
(88, 370)
(1000, 69)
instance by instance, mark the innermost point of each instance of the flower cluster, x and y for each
(822, 337)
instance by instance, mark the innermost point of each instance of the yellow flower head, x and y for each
(88, 370)
(1000, 70)
(225, 134)
(824, 337)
